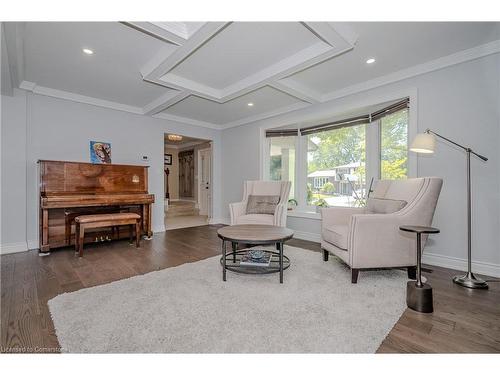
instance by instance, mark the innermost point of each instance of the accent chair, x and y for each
(281, 189)
(367, 238)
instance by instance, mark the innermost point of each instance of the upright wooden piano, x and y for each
(69, 189)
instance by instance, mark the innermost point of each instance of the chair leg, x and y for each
(137, 233)
(354, 275)
(325, 255)
(130, 233)
(81, 236)
(412, 272)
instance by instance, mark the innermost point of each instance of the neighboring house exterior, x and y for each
(338, 176)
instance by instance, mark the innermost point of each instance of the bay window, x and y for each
(282, 160)
(337, 161)
(394, 146)
(332, 164)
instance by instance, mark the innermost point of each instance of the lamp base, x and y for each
(470, 281)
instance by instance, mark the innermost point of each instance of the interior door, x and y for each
(205, 179)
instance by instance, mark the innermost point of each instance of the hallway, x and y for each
(183, 214)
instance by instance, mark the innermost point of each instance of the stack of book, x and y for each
(251, 260)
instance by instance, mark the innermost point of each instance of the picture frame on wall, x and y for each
(100, 152)
(168, 159)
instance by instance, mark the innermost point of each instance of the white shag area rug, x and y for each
(189, 309)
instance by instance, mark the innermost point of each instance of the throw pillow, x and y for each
(262, 204)
(383, 206)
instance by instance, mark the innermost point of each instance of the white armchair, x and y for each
(281, 188)
(371, 240)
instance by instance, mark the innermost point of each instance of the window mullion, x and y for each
(372, 151)
(301, 176)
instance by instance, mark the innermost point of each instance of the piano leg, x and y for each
(44, 232)
(81, 237)
(137, 233)
(146, 221)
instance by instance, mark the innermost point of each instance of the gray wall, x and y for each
(61, 130)
(460, 101)
(13, 184)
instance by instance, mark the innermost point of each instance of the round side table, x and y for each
(419, 294)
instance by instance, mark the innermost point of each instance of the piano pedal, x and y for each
(40, 254)
(108, 239)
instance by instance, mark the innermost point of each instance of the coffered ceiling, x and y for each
(219, 74)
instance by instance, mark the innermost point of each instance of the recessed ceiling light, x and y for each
(370, 61)
(88, 51)
(250, 104)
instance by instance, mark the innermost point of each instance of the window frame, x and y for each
(373, 137)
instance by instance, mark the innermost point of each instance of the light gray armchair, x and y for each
(238, 210)
(364, 240)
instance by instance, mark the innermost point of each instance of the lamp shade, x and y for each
(423, 143)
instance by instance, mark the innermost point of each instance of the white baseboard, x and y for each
(308, 236)
(219, 220)
(33, 245)
(483, 268)
(15, 247)
(159, 228)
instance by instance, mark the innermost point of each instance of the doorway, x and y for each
(205, 180)
(188, 175)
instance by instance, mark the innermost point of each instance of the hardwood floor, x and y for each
(464, 320)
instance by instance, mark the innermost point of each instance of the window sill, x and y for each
(304, 214)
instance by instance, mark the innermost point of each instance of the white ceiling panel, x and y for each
(395, 46)
(54, 58)
(242, 49)
(264, 100)
(205, 73)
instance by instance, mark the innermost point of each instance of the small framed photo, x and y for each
(168, 159)
(100, 152)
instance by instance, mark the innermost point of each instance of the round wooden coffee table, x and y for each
(254, 234)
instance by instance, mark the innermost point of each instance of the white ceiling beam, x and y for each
(266, 115)
(157, 32)
(14, 39)
(163, 102)
(331, 43)
(200, 37)
(185, 120)
(297, 90)
(181, 83)
(273, 72)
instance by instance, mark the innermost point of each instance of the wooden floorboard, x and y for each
(464, 321)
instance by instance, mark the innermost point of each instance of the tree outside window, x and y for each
(394, 146)
(338, 161)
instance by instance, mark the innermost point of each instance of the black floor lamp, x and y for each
(425, 143)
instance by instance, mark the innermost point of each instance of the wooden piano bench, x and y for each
(105, 220)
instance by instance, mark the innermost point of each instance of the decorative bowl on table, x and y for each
(256, 254)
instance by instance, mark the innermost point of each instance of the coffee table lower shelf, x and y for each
(233, 263)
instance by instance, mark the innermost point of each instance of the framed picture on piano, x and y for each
(100, 152)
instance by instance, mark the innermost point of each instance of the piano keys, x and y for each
(69, 189)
